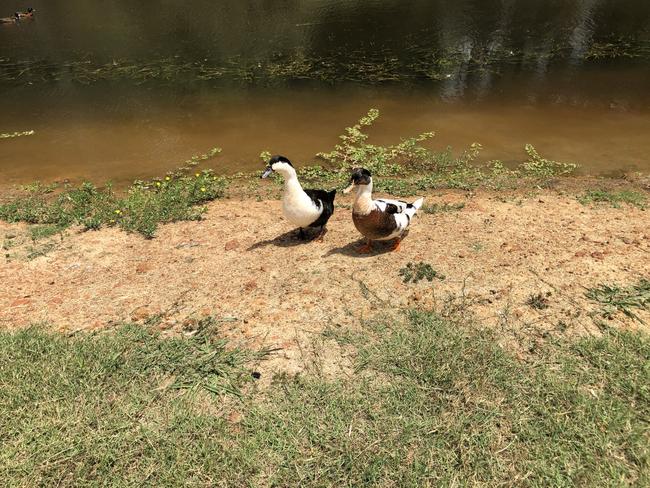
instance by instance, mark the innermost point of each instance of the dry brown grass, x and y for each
(243, 266)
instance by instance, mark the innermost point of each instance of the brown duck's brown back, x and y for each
(375, 225)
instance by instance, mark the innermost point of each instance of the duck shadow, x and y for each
(289, 239)
(352, 249)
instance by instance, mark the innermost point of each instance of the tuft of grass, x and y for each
(415, 272)
(145, 205)
(539, 301)
(38, 232)
(435, 208)
(431, 403)
(616, 298)
(37, 251)
(614, 198)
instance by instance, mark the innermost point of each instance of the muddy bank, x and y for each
(243, 266)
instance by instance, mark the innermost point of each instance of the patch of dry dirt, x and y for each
(243, 265)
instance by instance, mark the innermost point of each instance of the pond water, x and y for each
(120, 90)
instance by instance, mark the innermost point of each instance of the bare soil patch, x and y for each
(243, 266)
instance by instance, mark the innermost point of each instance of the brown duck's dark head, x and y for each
(359, 177)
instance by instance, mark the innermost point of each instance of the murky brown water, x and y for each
(121, 91)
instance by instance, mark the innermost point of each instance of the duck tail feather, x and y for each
(413, 207)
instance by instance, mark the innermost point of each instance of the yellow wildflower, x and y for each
(202, 188)
(167, 178)
(197, 174)
(157, 183)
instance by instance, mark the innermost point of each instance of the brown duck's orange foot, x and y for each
(366, 248)
(396, 245)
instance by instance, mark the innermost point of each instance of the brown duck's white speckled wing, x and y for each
(403, 212)
(392, 206)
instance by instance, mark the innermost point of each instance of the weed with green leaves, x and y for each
(616, 298)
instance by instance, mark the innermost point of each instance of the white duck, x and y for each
(303, 208)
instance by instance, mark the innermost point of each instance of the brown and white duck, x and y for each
(381, 219)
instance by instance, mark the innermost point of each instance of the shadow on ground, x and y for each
(352, 249)
(290, 239)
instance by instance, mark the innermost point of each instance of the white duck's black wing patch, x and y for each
(317, 196)
(324, 200)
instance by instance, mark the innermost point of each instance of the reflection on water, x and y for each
(123, 89)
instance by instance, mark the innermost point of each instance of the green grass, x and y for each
(142, 207)
(614, 198)
(114, 407)
(431, 403)
(616, 298)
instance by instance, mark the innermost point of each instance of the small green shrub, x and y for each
(415, 272)
(539, 167)
(354, 151)
(408, 167)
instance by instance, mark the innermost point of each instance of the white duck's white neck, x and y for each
(291, 183)
(363, 200)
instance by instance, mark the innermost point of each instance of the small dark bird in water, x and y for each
(10, 20)
(29, 14)
(17, 16)
(303, 208)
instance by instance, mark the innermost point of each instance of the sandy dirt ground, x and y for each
(243, 266)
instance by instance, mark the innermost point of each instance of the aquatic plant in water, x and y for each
(415, 62)
(10, 135)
